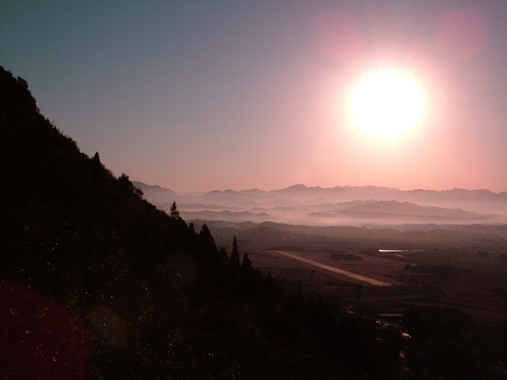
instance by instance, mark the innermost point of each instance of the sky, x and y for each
(215, 95)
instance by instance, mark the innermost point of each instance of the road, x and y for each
(333, 269)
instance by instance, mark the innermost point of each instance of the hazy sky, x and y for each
(197, 96)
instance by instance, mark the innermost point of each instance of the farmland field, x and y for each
(477, 288)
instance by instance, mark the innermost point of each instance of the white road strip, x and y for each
(333, 269)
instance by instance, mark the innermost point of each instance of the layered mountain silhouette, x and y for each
(392, 212)
(299, 204)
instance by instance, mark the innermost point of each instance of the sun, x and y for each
(386, 105)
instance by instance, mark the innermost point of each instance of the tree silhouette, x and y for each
(175, 214)
(127, 186)
(208, 240)
(96, 158)
(247, 281)
(211, 261)
(224, 257)
(98, 171)
(246, 267)
(234, 262)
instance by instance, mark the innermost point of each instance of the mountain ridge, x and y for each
(366, 189)
(300, 204)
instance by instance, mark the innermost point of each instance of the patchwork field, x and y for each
(476, 288)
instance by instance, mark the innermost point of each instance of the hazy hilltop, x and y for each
(347, 205)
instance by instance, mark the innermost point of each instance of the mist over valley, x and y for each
(354, 206)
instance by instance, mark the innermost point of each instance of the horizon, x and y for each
(196, 97)
(309, 187)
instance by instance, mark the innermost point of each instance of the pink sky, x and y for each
(197, 97)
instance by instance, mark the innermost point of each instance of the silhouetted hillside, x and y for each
(86, 260)
(97, 283)
(61, 207)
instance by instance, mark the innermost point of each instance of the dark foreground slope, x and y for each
(65, 218)
(80, 240)
(96, 283)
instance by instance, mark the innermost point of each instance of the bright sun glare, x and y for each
(386, 105)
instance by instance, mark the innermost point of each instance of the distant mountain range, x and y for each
(347, 205)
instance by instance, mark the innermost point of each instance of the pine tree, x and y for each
(208, 241)
(127, 186)
(234, 259)
(175, 214)
(247, 281)
(224, 257)
(246, 267)
(211, 259)
(96, 158)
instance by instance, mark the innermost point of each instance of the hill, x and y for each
(96, 282)
(61, 206)
(78, 240)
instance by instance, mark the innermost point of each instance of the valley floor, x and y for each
(478, 289)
